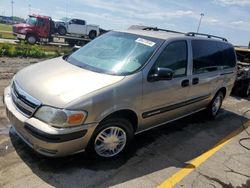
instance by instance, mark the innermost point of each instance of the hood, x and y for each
(54, 20)
(56, 82)
(23, 25)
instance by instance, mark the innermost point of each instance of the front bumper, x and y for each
(20, 36)
(43, 138)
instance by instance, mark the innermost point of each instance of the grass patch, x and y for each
(5, 27)
(5, 35)
(25, 50)
(6, 31)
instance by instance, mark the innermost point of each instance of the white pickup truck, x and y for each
(76, 26)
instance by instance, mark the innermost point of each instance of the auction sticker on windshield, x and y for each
(145, 42)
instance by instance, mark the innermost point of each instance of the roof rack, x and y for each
(193, 34)
(158, 29)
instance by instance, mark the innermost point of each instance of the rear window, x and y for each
(80, 22)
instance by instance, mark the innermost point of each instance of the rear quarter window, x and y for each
(228, 58)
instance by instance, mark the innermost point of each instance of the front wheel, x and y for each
(215, 105)
(62, 30)
(31, 39)
(111, 138)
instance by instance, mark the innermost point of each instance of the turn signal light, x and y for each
(76, 119)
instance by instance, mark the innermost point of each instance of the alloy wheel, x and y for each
(110, 141)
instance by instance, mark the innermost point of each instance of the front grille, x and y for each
(25, 103)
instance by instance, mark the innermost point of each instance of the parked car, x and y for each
(77, 26)
(116, 86)
(242, 83)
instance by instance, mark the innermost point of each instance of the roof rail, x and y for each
(193, 34)
(158, 29)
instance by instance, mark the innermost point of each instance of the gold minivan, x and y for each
(116, 86)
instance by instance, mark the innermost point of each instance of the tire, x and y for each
(31, 39)
(71, 43)
(215, 105)
(105, 143)
(62, 30)
(245, 91)
(92, 34)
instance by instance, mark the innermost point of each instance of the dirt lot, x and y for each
(174, 153)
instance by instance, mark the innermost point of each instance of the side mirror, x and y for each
(161, 74)
(70, 22)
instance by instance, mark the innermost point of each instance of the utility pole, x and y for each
(12, 2)
(202, 14)
(67, 9)
(29, 8)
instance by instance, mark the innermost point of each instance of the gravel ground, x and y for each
(8, 67)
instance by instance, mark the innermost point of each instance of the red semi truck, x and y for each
(42, 29)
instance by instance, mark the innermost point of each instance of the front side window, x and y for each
(115, 53)
(206, 56)
(41, 22)
(174, 57)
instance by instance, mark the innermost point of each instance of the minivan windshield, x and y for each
(115, 53)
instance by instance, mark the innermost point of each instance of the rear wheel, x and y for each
(31, 39)
(215, 105)
(92, 34)
(111, 138)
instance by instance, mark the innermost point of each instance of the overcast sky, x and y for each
(226, 18)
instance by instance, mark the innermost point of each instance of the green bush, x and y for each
(22, 50)
(36, 51)
(12, 51)
(5, 49)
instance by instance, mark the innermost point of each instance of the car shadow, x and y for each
(172, 145)
(237, 96)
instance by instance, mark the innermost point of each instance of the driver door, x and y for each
(164, 100)
(42, 30)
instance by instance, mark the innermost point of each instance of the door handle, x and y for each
(185, 83)
(195, 81)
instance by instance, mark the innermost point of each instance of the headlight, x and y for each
(23, 31)
(246, 69)
(60, 117)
